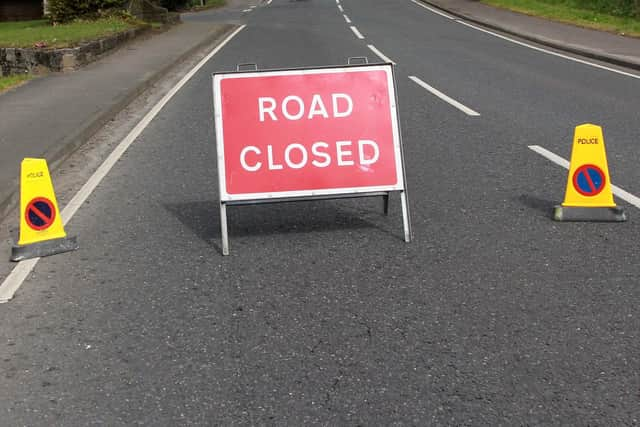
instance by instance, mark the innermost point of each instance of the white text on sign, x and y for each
(293, 107)
(297, 156)
(320, 154)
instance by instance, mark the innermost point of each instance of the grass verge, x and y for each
(568, 13)
(9, 82)
(30, 33)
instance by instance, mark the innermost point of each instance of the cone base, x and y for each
(45, 248)
(597, 214)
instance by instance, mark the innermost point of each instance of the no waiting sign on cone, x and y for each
(41, 229)
(588, 196)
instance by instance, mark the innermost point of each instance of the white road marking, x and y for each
(550, 52)
(380, 54)
(468, 111)
(624, 195)
(527, 45)
(337, 1)
(346, 18)
(340, 8)
(247, 10)
(18, 275)
(269, 2)
(356, 32)
(550, 156)
(431, 9)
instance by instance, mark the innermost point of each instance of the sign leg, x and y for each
(223, 229)
(385, 200)
(408, 235)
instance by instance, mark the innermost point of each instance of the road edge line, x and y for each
(18, 275)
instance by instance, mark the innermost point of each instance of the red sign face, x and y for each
(307, 132)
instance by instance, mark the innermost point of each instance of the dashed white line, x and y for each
(247, 10)
(380, 54)
(346, 18)
(18, 275)
(356, 32)
(269, 2)
(550, 156)
(468, 111)
(431, 9)
(340, 8)
(623, 194)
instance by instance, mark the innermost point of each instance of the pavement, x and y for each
(599, 45)
(52, 116)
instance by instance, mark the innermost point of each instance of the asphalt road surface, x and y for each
(322, 314)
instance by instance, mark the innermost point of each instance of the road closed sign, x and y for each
(307, 132)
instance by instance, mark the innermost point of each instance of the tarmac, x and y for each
(52, 116)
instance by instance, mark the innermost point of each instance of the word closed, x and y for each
(307, 132)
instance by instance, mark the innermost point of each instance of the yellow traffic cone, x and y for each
(588, 196)
(41, 229)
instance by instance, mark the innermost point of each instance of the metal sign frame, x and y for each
(227, 199)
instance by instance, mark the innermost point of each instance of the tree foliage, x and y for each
(68, 10)
(622, 8)
(175, 4)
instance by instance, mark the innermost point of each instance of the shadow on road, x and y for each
(541, 205)
(203, 218)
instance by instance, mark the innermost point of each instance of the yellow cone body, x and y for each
(588, 183)
(39, 215)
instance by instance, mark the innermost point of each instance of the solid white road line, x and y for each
(340, 8)
(527, 45)
(550, 52)
(356, 32)
(15, 279)
(431, 9)
(380, 54)
(346, 18)
(468, 111)
(624, 195)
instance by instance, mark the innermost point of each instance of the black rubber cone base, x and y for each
(46, 248)
(572, 213)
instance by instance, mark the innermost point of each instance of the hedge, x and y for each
(623, 8)
(68, 10)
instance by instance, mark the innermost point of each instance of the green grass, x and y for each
(566, 11)
(9, 82)
(28, 33)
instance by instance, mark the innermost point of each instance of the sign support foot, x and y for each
(223, 229)
(598, 214)
(408, 235)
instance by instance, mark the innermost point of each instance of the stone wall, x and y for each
(38, 61)
(20, 10)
